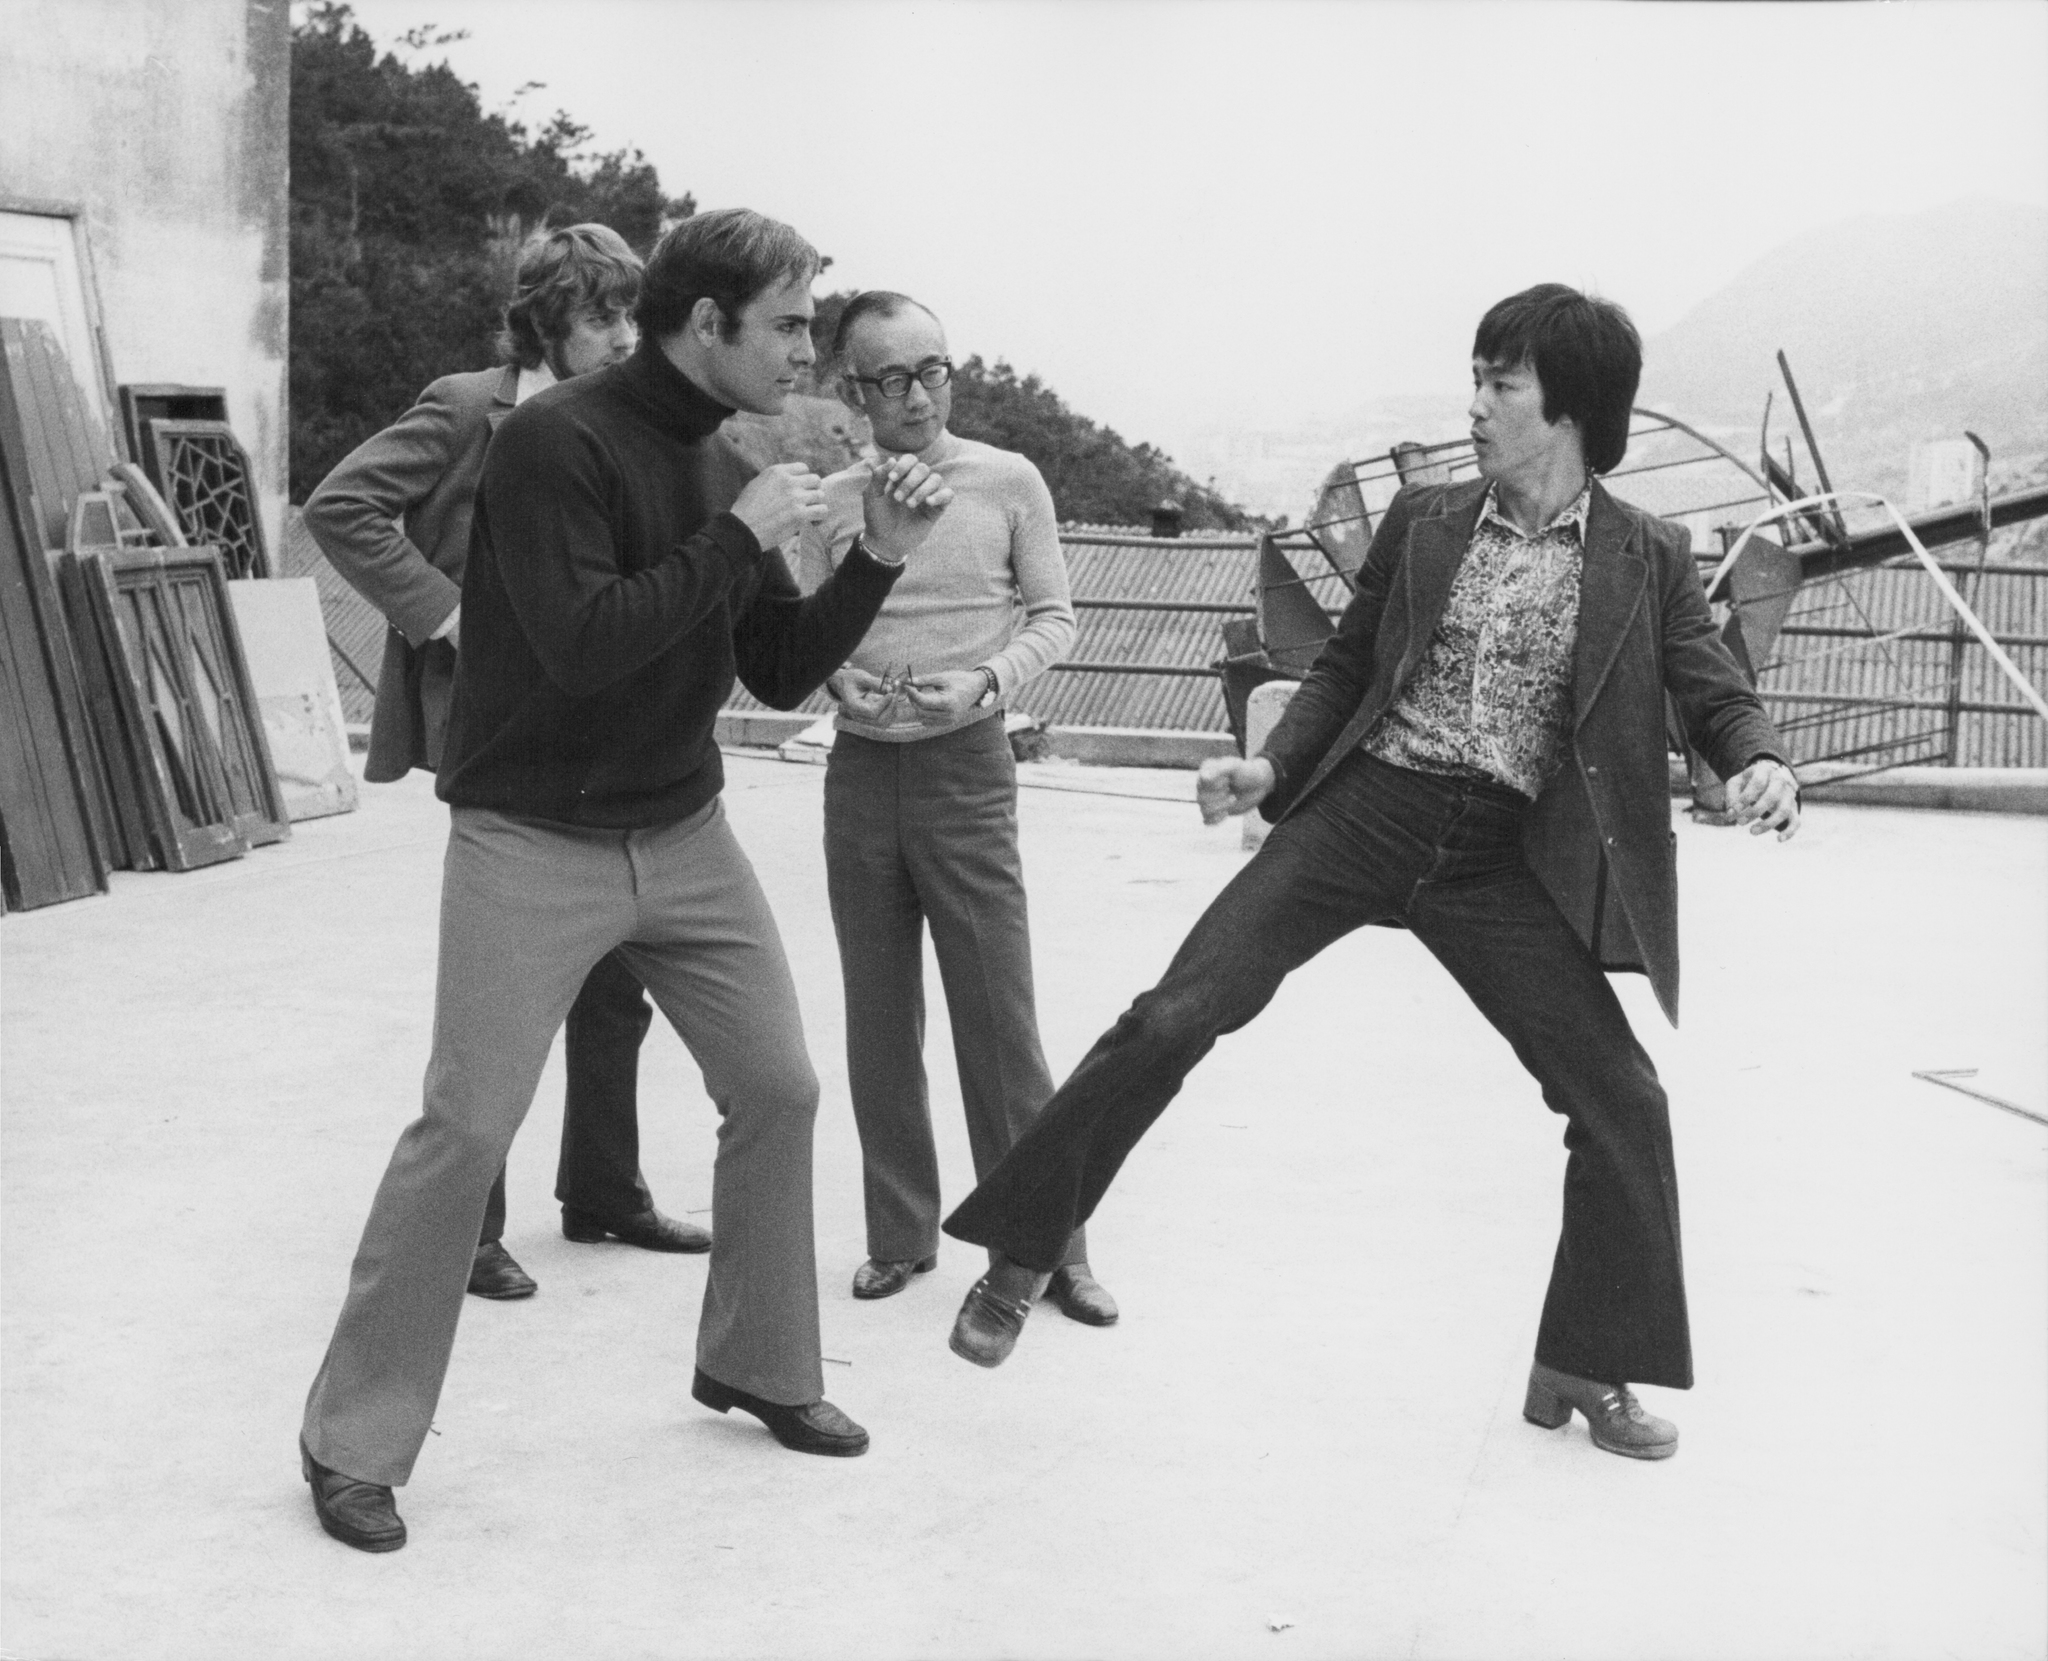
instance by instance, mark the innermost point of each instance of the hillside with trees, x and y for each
(408, 207)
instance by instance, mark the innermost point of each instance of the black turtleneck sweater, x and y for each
(610, 599)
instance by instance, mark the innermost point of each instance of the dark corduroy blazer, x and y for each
(393, 518)
(1599, 836)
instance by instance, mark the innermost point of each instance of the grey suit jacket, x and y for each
(393, 518)
(1599, 836)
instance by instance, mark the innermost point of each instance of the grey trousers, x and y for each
(919, 832)
(526, 909)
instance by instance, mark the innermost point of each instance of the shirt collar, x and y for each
(531, 381)
(1573, 517)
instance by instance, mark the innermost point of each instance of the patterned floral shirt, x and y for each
(1493, 692)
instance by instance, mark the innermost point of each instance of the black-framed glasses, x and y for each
(896, 384)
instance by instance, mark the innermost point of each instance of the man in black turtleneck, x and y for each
(623, 570)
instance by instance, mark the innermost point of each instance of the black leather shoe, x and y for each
(882, 1277)
(649, 1230)
(1081, 1297)
(989, 1322)
(359, 1514)
(816, 1427)
(1613, 1415)
(494, 1274)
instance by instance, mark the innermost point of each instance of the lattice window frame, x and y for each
(206, 478)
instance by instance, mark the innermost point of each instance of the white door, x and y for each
(40, 277)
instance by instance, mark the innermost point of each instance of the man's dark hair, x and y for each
(727, 256)
(561, 272)
(1586, 353)
(872, 302)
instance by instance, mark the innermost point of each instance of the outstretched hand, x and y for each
(1228, 784)
(903, 499)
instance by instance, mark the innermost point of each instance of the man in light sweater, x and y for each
(921, 801)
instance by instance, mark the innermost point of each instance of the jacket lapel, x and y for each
(1611, 583)
(1436, 546)
(506, 395)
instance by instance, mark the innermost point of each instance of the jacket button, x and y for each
(1610, 842)
(1592, 772)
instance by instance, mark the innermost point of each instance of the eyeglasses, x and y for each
(896, 384)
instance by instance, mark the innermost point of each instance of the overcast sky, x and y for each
(1198, 213)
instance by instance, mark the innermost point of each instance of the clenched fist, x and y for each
(1227, 785)
(779, 501)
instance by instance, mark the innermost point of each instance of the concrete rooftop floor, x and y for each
(1303, 1440)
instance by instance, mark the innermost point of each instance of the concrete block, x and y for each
(812, 745)
(762, 729)
(1138, 746)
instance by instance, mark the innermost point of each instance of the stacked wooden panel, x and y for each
(130, 735)
(52, 828)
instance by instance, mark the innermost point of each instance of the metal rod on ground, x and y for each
(1946, 1077)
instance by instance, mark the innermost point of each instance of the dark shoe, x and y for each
(649, 1230)
(1081, 1297)
(986, 1329)
(818, 1427)
(882, 1277)
(1613, 1414)
(494, 1274)
(359, 1514)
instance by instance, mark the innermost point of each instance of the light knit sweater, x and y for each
(988, 587)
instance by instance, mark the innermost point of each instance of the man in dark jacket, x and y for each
(622, 571)
(1479, 754)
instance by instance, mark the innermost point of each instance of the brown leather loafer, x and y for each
(494, 1274)
(815, 1427)
(1081, 1297)
(1613, 1414)
(649, 1230)
(359, 1514)
(883, 1277)
(988, 1325)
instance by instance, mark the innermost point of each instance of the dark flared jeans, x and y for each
(1381, 844)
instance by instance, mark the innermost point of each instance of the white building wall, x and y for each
(167, 121)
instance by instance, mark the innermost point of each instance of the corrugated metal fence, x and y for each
(1864, 662)
(1864, 659)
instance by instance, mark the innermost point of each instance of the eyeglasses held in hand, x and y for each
(896, 384)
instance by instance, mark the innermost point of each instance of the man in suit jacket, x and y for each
(394, 520)
(1477, 754)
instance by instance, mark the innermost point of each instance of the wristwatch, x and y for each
(994, 691)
